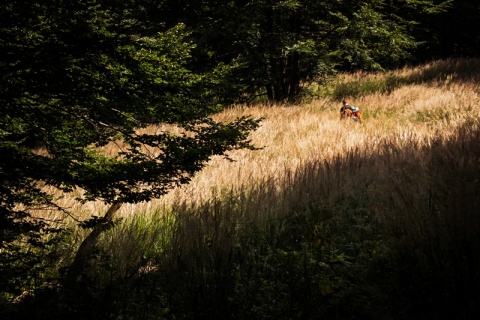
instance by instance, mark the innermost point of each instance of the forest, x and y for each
(186, 159)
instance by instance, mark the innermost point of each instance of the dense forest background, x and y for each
(272, 47)
(452, 33)
(117, 102)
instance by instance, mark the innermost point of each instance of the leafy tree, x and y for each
(76, 76)
(454, 32)
(272, 47)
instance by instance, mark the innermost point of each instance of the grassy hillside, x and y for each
(330, 219)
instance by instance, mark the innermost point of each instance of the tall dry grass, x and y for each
(393, 201)
(425, 109)
(291, 135)
(426, 102)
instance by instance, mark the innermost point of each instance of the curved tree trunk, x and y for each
(90, 243)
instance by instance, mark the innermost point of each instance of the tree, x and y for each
(78, 75)
(454, 32)
(273, 47)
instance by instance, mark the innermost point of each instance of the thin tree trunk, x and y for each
(90, 243)
(269, 92)
(294, 85)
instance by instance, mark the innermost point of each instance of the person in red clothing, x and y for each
(350, 111)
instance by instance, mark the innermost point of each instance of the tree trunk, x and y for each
(294, 76)
(285, 76)
(90, 243)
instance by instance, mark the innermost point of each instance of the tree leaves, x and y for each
(78, 76)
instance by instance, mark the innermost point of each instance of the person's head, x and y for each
(344, 102)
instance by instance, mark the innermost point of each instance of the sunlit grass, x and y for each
(427, 102)
(335, 159)
(391, 203)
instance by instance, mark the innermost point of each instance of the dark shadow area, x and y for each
(387, 233)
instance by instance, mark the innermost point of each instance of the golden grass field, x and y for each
(424, 103)
(387, 209)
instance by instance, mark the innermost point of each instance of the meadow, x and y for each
(328, 219)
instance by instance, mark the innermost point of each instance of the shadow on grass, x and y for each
(390, 232)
